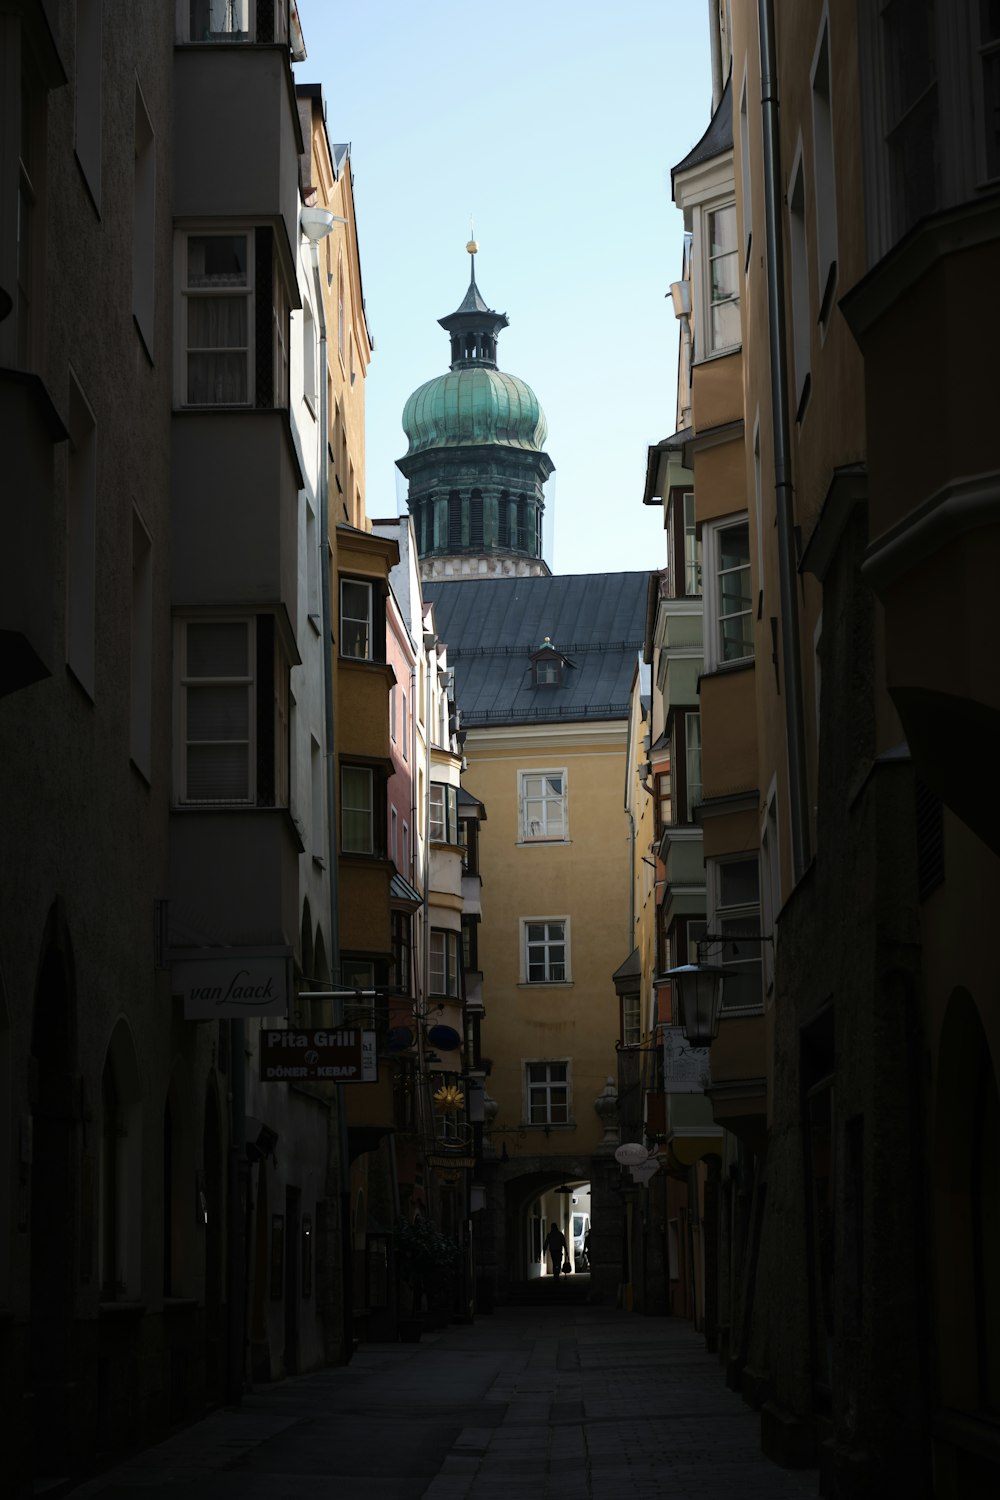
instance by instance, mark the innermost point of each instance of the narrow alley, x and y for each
(579, 1403)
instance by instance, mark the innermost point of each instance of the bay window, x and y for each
(734, 918)
(356, 619)
(722, 265)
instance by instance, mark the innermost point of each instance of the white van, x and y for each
(581, 1224)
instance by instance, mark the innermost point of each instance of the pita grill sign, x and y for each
(344, 1055)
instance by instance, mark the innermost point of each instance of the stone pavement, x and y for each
(546, 1403)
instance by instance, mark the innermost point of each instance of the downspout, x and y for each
(347, 1307)
(798, 791)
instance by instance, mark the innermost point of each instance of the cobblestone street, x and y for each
(576, 1403)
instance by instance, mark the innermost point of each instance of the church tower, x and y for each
(476, 464)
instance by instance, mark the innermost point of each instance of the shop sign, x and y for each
(685, 1068)
(451, 1161)
(233, 984)
(345, 1055)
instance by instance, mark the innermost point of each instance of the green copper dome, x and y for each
(474, 405)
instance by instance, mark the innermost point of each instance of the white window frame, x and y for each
(185, 292)
(540, 834)
(357, 808)
(706, 266)
(545, 1087)
(549, 941)
(747, 914)
(310, 359)
(444, 813)
(711, 536)
(186, 681)
(693, 556)
(369, 653)
(632, 1019)
(445, 955)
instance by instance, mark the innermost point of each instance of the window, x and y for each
(218, 286)
(312, 563)
(402, 942)
(220, 20)
(663, 811)
(723, 278)
(317, 821)
(745, 181)
(548, 671)
(406, 849)
(911, 109)
(310, 381)
(356, 619)
(444, 963)
(758, 515)
(141, 653)
(444, 813)
(470, 945)
(341, 322)
(233, 712)
(770, 872)
(801, 329)
(81, 540)
(823, 173)
(357, 810)
(403, 729)
(144, 224)
(392, 714)
(468, 835)
(692, 548)
(988, 92)
(546, 950)
(542, 797)
(393, 833)
(547, 1090)
(734, 889)
(692, 761)
(728, 602)
(87, 99)
(631, 1019)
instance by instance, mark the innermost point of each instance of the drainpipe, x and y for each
(316, 224)
(716, 42)
(798, 791)
(430, 641)
(237, 1185)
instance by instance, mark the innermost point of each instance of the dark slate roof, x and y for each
(492, 626)
(717, 138)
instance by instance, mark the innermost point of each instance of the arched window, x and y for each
(521, 540)
(504, 536)
(476, 520)
(454, 521)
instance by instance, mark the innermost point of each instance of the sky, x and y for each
(553, 124)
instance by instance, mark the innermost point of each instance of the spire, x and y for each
(473, 325)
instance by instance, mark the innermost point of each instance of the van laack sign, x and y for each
(343, 1056)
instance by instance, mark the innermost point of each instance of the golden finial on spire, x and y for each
(472, 247)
